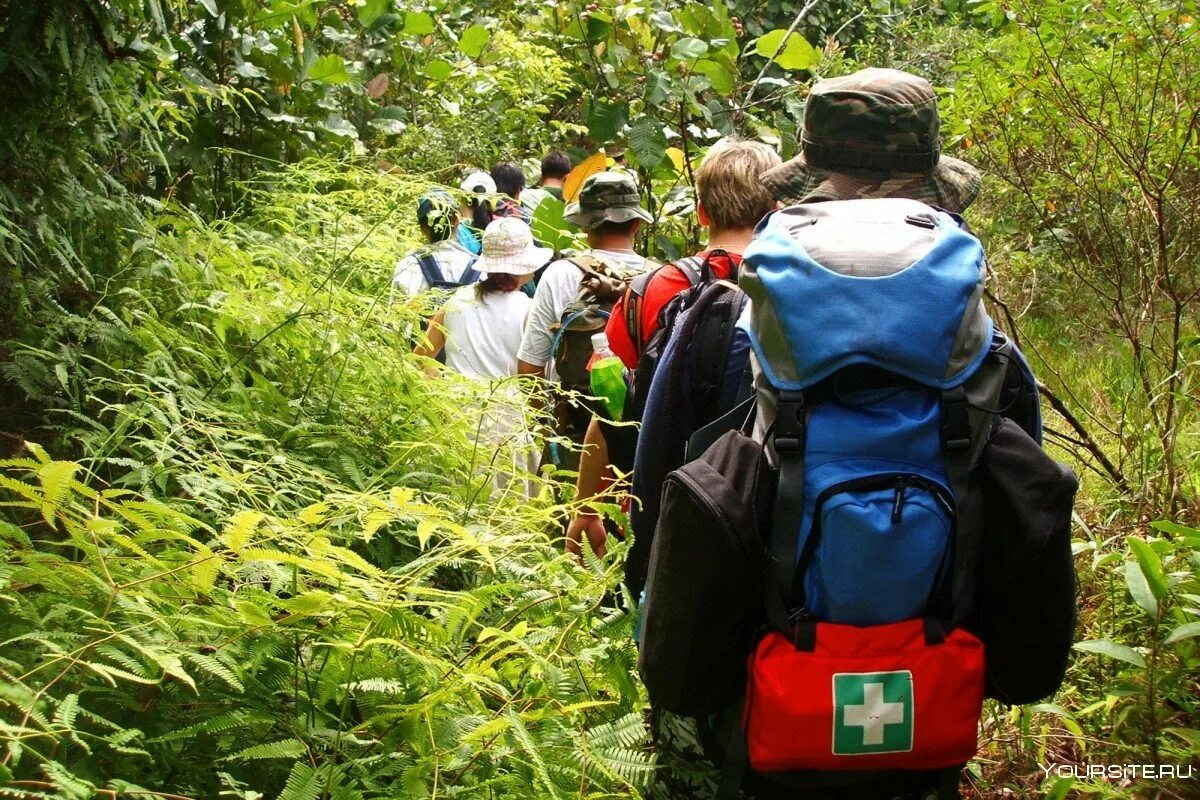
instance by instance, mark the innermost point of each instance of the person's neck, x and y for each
(731, 240)
(552, 183)
(615, 244)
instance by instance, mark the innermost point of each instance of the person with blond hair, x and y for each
(730, 201)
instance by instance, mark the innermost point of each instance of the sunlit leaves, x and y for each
(795, 53)
(473, 40)
(418, 23)
(329, 68)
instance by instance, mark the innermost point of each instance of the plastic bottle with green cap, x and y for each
(607, 377)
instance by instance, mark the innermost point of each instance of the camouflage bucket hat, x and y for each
(873, 134)
(606, 197)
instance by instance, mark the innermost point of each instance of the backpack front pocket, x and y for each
(878, 550)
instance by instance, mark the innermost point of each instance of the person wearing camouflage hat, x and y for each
(874, 133)
(606, 197)
(609, 211)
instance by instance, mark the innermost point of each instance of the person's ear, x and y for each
(637, 226)
(702, 214)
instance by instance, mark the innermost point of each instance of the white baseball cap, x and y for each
(508, 249)
(478, 182)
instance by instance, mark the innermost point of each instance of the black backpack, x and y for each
(715, 336)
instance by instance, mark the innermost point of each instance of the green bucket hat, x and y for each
(606, 197)
(873, 133)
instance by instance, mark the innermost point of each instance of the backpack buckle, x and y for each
(789, 423)
(956, 420)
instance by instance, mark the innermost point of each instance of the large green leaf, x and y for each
(329, 68)
(548, 225)
(1151, 565)
(1139, 588)
(658, 86)
(418, 23)
(1185, 631)
(473, 40)
(1107, 647)
(688, 49)
(648, 142)
(796, 52)
(718, 75)
(370, 11)
(605, 119)
(438, 69)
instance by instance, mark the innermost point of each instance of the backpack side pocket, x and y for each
(1025, 612)
(703, 598)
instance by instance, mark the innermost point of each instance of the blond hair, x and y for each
(728, 182)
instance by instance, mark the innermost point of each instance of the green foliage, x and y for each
(1088, 123)
(143, 644)
(265, 557)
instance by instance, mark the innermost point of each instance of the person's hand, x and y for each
(592, 526)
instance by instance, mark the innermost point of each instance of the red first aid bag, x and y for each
(897, 696)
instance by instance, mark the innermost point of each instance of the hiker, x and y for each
(558, 346)
(480, 329)
(730, 201)
(838, 579)
(510, 182)
(555, 169)
(444, 263)
(479, 189)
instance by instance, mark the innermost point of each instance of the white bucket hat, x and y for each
(508, 249)
(478, 182)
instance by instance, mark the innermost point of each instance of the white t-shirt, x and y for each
(452, 257)
(483, 335)
(556, 290)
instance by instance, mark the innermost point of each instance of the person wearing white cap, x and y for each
(480, 328)
(477, 209)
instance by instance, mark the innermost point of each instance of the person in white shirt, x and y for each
(480, 328)
(609, 211)
(444, 263)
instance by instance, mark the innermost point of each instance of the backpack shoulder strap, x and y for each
(589, 264)
(691, 267)
(430, 269)
(469, 274)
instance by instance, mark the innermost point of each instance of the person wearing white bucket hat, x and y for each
(480, 326)
(480, 329)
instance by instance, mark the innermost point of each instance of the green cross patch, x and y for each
(872, 712)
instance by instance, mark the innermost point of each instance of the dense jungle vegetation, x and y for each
(248, 548)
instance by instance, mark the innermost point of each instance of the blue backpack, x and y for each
(891, 449)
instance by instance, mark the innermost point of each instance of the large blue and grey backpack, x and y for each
(893, 472)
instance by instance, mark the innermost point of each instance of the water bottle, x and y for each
(607, 377)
